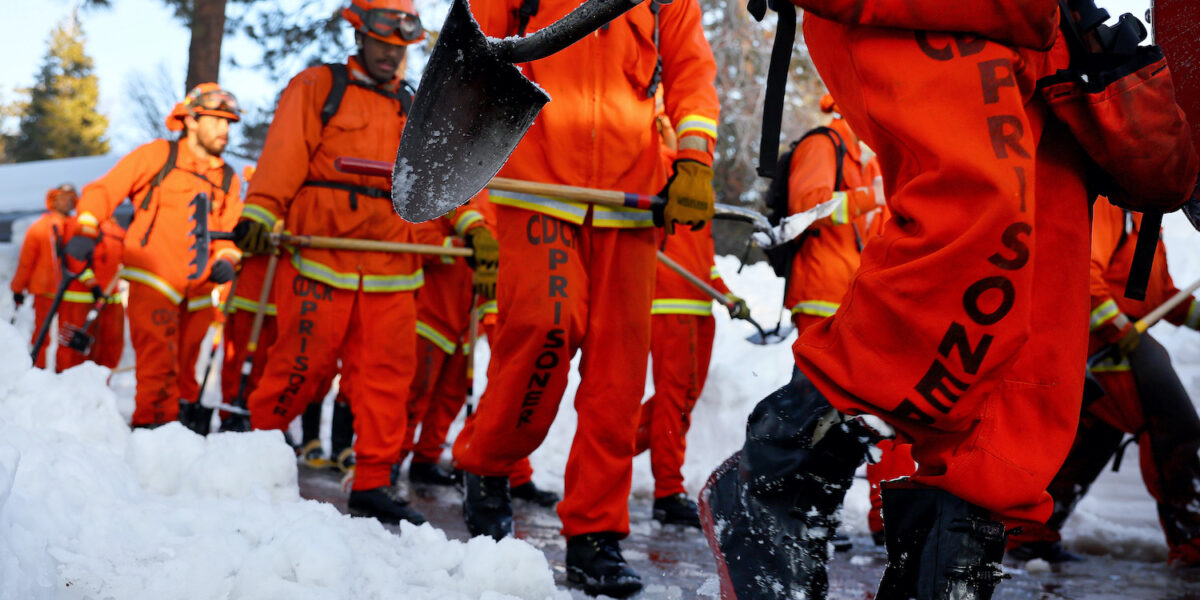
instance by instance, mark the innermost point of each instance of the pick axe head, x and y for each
(200, 235)
(471, 109)
(1176, 30)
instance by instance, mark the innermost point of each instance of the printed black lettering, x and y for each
(993, 75)
(300, 285)
(978, 289)
(546, 360)
(1006, 132)
(540, 380)
(306, 327)
(956, 337)
(1012, 240)
(307, 306)
(549, 230)
(301, 363)
(934, 382)
(557, 257)
(554, 339)
(558, 286)
(943, 54)
(533, 220)
(969, 45)
(907, 410)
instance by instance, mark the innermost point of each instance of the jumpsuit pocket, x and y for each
(641, 54)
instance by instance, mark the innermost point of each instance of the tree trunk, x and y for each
(204, 54)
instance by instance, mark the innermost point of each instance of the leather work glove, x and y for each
(222, 272)
(689, 195)
(738, 309)
(80, 247)
(18, 299)
(251, 236)
(485, 261)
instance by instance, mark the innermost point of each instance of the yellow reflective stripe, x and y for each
(87, 219)
(255, 212)
(490, 308)
(1103, 314)
(819, 308)
(1108, 365)
(319, 272)
(465, 220)
(199, 303)
(567, 210)
(713, 274)
(1193, 316)
(697, 124)
(621, 217)
(246, 304)
(681, 306)
(443, 343)
(87, 274)
(447, 242)
(841, 214)
(79, 297)
(152, 280)
(393, 283)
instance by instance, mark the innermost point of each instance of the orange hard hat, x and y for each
(828, 104)
(204, 99)
(392, 21)
(55, 192)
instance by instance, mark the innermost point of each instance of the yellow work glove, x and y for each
(1130, 339)
(689, 195)
(737, 308)
(485, 261)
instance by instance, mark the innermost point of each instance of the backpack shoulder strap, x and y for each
(226, 178)
(172, 154)
(341, 77)
(839, 151)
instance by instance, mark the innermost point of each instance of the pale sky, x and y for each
(138, 35)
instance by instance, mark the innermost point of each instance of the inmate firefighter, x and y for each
(170, 304)
(356, 306)
(1142, 396)
(38, 268)
(963, 329)
(586, 275)
(826, 163)
(103, 340)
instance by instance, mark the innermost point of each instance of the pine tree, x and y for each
(61, 120)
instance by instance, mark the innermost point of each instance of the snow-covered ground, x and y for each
(90, 510)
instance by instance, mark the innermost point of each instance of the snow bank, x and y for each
(90, 510)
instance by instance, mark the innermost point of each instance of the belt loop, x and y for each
(353, 200)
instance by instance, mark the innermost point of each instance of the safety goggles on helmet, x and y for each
(215, 102)
(384, 23)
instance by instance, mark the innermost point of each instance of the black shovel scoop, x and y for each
(473, 106)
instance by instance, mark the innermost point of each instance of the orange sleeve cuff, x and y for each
(699, 156)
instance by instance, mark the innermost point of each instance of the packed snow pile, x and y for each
(90, 510)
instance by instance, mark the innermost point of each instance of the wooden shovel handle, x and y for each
(694, 280)
(1157, 314)
(336, 243)
(610, 198)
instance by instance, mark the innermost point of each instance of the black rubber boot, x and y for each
(310, 424)
(939, 547)
(195, 416)
(487, 506)
(385, 504)
(595, 564)
(429, 474)
(531, 493)
(770, 510)
(341, 429)
(676, 510)
(1050, 551)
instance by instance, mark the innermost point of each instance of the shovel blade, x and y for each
(775, 336)
(470, 111)
(75, 339)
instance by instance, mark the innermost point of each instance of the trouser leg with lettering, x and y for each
(159, 330)
(969, 312)
(378, 359)
(311, 323)
(195, 318)
(680, 351)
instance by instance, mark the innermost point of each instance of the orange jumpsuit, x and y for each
(1153, 406)
(246, 293)
(108, 331)
(335, 304)
(585, 275)
(38, 270)
(963, 326)
(169, 314)
(681, 338)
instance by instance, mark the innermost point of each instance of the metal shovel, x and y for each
(473, 106)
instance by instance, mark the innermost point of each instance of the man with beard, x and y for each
(356, 306)
(169, 311)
